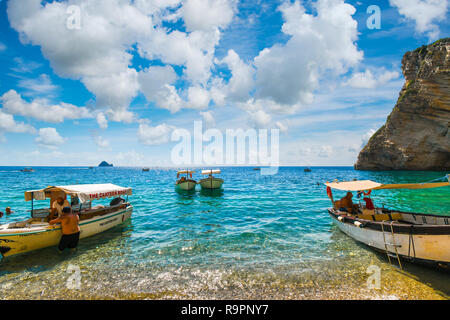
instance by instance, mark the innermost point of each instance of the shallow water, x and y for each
(261, 237)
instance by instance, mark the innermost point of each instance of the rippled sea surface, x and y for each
(264, 237)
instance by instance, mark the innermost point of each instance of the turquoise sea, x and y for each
(261, 237)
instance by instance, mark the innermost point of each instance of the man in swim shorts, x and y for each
(70, 229)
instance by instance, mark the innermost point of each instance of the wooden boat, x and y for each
(185, 183)
(415, 237)
(211, 182)
(27, 170)
(307, 170)
(145, 169)
(36, 233)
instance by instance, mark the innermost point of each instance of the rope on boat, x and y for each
(446, 177)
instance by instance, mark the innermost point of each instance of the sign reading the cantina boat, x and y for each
(108, 194)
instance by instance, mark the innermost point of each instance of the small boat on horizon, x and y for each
(211, 182)
(145, 169)
(307, 170)
(185, 183)
(27, 170)
(36, 232)
(415, 237)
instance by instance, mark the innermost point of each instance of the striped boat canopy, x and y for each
(371, 185)
(84, 192)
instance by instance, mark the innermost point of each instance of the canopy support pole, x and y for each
(32, 204)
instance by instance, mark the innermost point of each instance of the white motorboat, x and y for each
(185, 183)
(211, 182)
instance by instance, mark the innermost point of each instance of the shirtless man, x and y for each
(70, 229)
(57, 206)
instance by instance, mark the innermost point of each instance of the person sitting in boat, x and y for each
(57, 207)
(183, 179)
(70, 229)
(116, 201)
(346, 203)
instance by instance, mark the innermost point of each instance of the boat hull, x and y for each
(211, 183)
(186, 185)
(18, 241)
(425, 248)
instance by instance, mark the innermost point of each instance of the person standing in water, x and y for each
(70, 229)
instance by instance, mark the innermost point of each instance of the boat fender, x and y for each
(341, 218)
(358, 224)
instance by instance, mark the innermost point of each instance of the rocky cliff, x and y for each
(416, 135)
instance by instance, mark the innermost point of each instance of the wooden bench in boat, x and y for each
(380, 217)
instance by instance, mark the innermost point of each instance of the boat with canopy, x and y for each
(36, 232)
(211, 182)
(185, 183)
(409, 236)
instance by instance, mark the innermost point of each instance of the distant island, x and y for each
(105, 164)
(416, 134)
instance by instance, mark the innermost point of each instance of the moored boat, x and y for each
(146, 169)
(27, 170)
(409, 236)
(211, 182)
(185, 183)
(36, 233)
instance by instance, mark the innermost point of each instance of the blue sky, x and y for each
(85, 81)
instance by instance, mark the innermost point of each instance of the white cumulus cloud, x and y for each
(154, 135)
(207, 14)
(101, 120)
(425, 14)
(9, 124)
(41, 109)
(49, 137)
(156, 84)
(320, 44)
(368, 79)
